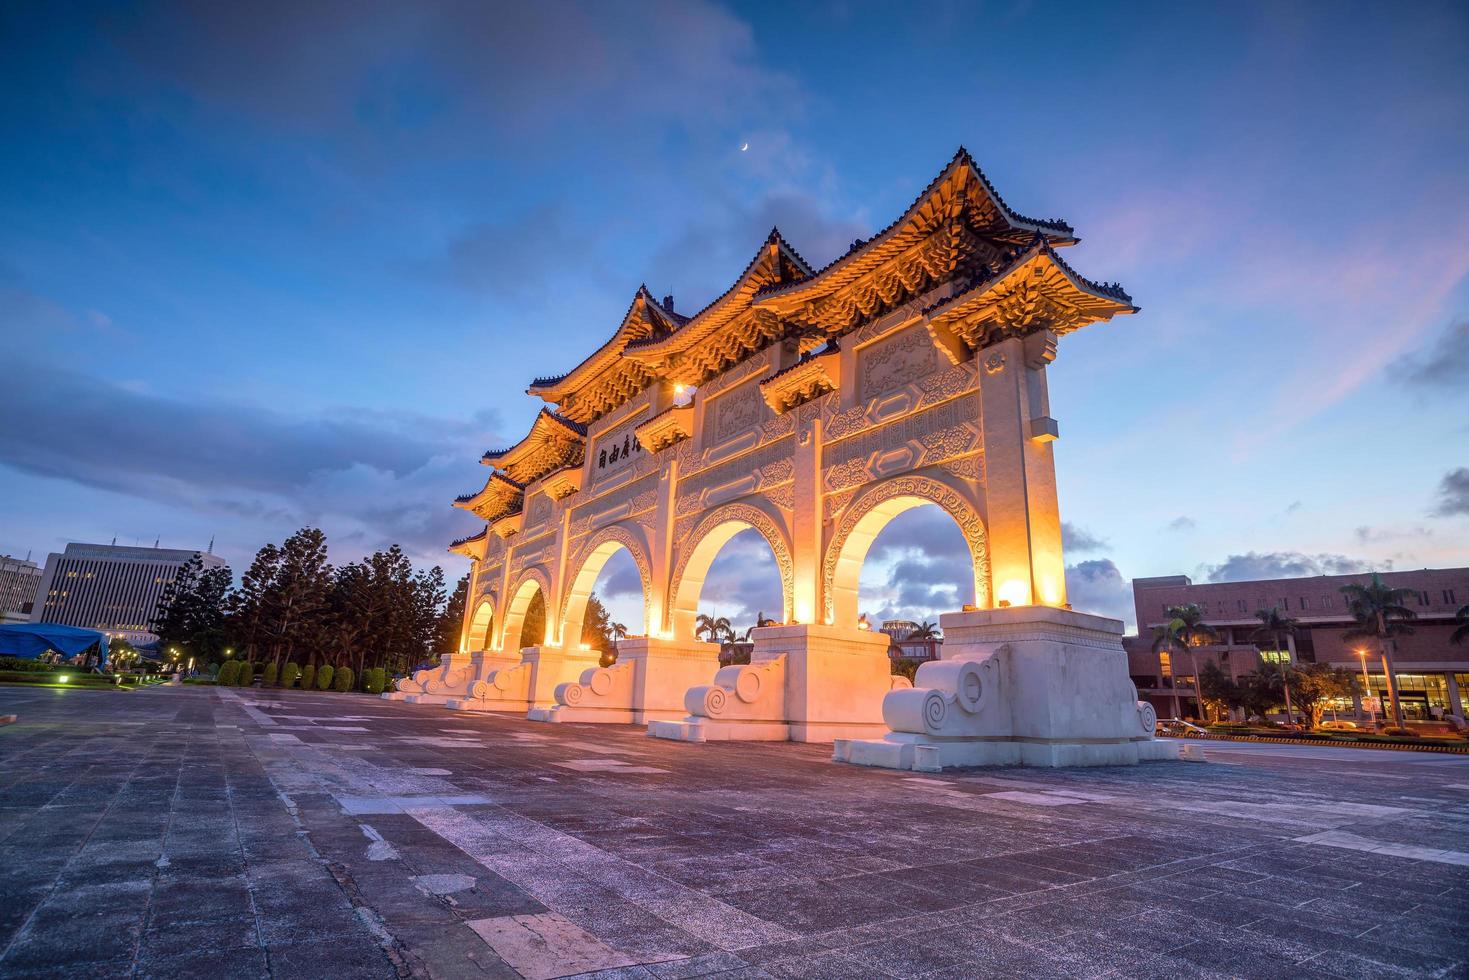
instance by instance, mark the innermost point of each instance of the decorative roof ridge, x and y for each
(576, 428)
(1038, 246)
(469, 539)
(960, 159)
(774, 238)
(831, 347)
(675, 320)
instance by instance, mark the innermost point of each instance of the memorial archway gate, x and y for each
(813, 406)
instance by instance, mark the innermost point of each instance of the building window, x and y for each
(1326, 602)
(1448, 597)
(1285, 605)
(1275, 656)
(1165, 663)
(1242, 605)
(1305, 603)
(1423, 598)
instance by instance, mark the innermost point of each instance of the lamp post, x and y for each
(1367, 688)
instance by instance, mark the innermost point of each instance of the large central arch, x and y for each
(477, 637)
(708, 536)
(868, 514)
(592, 557)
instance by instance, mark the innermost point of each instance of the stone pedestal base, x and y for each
(1026, 686)
(550, 667)
(646, 684)
(435, 685)
(502, 684)
(804, 683)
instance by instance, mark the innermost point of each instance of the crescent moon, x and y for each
(744, 147)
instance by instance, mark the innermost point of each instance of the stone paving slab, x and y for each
(186, 832)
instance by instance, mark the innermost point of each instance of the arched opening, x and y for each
(731, 582)
(957, 562)
(916, 567)
(525, 618)
(607, 600)
(478, 635)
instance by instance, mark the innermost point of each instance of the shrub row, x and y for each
(238, 673)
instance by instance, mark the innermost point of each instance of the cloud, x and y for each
(1453, 493)
(1098, 587)
(1294, 507)
(743, 581)
(1367, 534)
(514, 259)
(1253, 566)
(371, 476)
(1444, 365)
(1182, 524)
(1080, 540)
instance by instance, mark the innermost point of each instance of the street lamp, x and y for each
(1367, 688)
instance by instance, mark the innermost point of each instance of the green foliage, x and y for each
(308, 677)
(290, 674)
(715, 630)
(228, 671)
(533, 628)
(246, 677)
(905, 667)
(270, 675)
(374, 679)
(1316, 684)
(451, 620)
(342, 680)
(25, 665)
(1220, 693)
(324, 677)
(192, 610)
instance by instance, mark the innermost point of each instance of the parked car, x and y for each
(1177, 726)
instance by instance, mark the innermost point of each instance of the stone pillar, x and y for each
(551, 666)
(1456, 704)
(1024, 521)
(806, 552)
(660, 557)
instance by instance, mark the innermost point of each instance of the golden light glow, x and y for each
(1050, 593)
(1014, 592)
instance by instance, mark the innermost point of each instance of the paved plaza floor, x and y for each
(193, 832)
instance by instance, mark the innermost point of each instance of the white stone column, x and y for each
(1021, 512)
(806, 537)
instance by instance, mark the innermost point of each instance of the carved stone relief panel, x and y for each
(895, 362)
(932, 436)
(734, 413)
(633, 498)
(751, 472)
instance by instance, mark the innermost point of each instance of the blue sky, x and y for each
(263, 265)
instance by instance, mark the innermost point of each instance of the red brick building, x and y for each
(1432, 673)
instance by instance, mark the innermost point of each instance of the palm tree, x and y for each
(1163, 639)
(925, 631)
(1380, 615)
(617, 631)
(760, 621)
(1275, 624)
(1462, 618)
(1188, 632)
(717, 629)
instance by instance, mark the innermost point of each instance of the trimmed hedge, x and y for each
(270, 675)
(308, 677)
(342, 680)
(374, 679)
(246, 677)
(228, 671)
(25, 665)
(290, 675)
(324, 677)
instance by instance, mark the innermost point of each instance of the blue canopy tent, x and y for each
(30, 640)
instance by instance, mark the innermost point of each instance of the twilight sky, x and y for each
(270, 264)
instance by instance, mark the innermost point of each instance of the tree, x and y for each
(1259, 690)
(618, 631)
(248, 604)
(1274, 625)
(760, 621)
(1381, 615)
(1189, 632)
(1164, 642)
(191, 614)
(717, 630)
(925, 631)
(1461, 616)
(451, 620)
(298, 595)
(1317, 684)
(533, 628)
(1220, 693)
